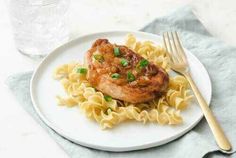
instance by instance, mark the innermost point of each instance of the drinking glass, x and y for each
(39, 26)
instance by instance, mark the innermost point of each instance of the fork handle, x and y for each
(216, 129)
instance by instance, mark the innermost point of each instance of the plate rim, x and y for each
(65, 135)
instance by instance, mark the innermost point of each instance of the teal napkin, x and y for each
(220, 61)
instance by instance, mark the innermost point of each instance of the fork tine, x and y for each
(180, 48)
(176, 50)
(168, 47)
(164, 40)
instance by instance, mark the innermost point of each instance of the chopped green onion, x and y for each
(98, 57)
(108, 98)
(115, 76)
(130, 77)
(81, 70)
(124, 62)
(116, 51)
(143, 63)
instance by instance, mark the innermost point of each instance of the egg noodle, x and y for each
(110, 112)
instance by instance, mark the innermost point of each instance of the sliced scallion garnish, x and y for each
(130, 77)
(124, 62)
(143, 63)
(116, 51)
(115, 76)
(81, 70)
(108, 98)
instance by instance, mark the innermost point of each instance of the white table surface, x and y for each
(20, 135)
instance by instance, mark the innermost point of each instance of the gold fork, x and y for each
(179, 64)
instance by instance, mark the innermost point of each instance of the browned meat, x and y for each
(117, 71)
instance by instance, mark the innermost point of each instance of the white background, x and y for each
(20, 135)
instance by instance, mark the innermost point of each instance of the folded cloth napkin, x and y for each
(220, 61)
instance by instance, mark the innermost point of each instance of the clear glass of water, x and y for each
(39, 26)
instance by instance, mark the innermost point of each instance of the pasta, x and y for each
(148, 50)
(109, 112)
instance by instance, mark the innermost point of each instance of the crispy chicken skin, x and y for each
(136, 80)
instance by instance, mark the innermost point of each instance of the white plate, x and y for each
(73, 124)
